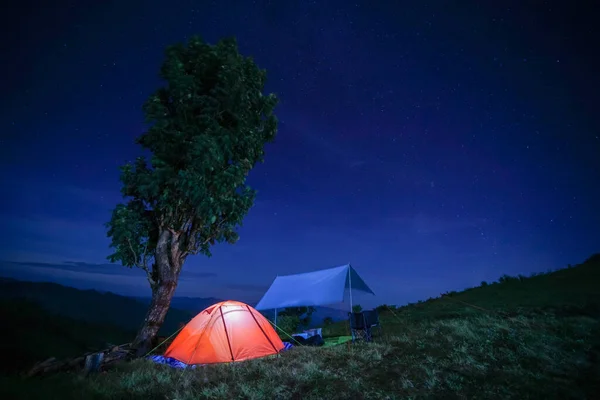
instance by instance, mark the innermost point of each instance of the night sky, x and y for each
(430, 145)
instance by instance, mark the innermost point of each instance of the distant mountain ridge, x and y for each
(197, 304)
(33, 334)
(104, 308)
(190, 304)
(123, 312)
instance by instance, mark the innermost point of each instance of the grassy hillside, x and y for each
(527, 338)
(569, 291)
(574, 288)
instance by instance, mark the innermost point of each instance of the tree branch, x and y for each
(186, 224)
(143, 265)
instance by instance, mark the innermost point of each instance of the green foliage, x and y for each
(386, 308)
(593, 259)
(507, 278)
(287, 325)
(292, 319)
(208, 128)
(357, 308)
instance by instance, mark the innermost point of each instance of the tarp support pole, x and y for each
(350, 286)
(275, 317)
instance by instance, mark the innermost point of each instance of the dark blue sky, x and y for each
(431, 145)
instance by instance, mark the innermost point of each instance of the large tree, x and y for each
(207, 129)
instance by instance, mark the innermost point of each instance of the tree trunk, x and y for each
(155, 317)
(168, 262)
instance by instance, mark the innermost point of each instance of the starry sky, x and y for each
(431, 144)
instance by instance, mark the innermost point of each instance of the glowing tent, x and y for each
(225, 332)
(318, 288)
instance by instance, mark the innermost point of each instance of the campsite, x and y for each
(527, 337)
(299, 200)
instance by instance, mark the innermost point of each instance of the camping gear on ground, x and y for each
(287, 345)
(171, 362)
(310, 337)
(93, 362)
(89, 362)
(316, 340)
(308, 333)
(225, 332)
(336, 341)
(362, 323)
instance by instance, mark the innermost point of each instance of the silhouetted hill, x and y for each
(31, 334)
(88, 305)
(191, 304)
(575, 289)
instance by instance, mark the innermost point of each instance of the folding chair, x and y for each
(358, 327)
(372, 321)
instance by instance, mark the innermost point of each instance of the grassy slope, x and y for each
(536, 338)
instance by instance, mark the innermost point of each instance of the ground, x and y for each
(525, 338)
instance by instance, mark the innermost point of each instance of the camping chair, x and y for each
(358, 327)
(372, 320)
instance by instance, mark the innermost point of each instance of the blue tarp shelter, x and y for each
(318, 288)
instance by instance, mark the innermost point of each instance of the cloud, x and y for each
(102, 273)
(85, 276)
(75, 266)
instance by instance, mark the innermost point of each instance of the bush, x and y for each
(507, 278)
(287, 325)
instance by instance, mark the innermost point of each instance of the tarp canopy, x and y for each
(317, 288)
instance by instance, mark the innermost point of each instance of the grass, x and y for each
(535, 338)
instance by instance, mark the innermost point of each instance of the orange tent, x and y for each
(225, 332)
